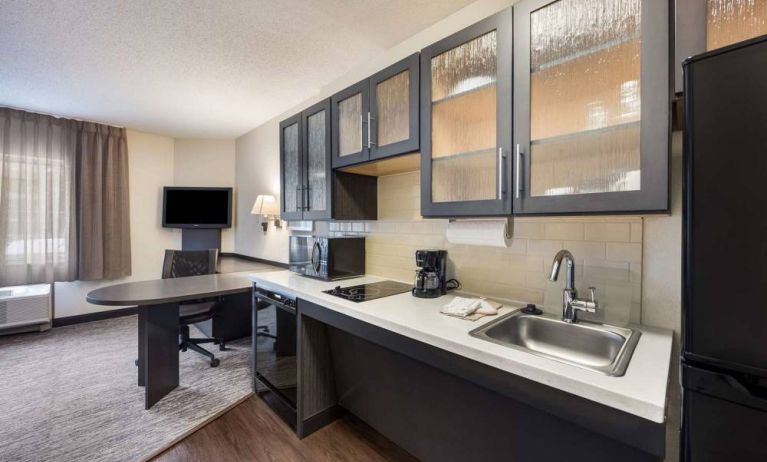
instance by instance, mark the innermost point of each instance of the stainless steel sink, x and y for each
(596, 347)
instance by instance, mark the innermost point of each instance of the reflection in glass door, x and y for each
(732, 21)
(585, 98)
(350, 124)
(393, 109)
(292, 169)
(463, 125)
(316, 162)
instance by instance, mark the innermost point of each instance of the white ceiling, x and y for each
(192, 68)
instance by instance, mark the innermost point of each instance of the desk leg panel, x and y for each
(158, 352)
(141, 346)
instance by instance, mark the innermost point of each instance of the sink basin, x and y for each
(596, 347)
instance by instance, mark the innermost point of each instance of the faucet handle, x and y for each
(593, 289)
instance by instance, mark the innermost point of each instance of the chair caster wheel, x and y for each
(222, 347)
(214, 362)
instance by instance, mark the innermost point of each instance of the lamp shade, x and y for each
(265, 205)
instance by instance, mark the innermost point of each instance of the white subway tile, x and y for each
(630, 252)
(564, 231)
(616, 232)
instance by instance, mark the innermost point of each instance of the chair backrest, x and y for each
(182, 263)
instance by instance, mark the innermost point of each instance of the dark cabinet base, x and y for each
(439, 417)
(442, 407)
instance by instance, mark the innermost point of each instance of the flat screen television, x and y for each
(187, 207)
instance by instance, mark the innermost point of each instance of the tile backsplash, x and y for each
(607, 250)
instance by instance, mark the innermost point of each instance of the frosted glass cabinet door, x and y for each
(466, 121)
(291, 163)
(394, 94)
(592, 93)
(349, 111)
(316, 138)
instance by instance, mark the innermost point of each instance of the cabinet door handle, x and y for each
(500, 173)
(517, 172)
(370, 131)
(308, 195)
(362, 131)
(299, 199)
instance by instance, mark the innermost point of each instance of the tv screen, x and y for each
(197, 207)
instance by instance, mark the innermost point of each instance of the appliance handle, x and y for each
(316, 251)
(731, 386)
(271, 301)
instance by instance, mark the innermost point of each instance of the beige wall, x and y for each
(150, 168)
(200, 162)
(258, 172)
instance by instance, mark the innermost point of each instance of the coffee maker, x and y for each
(430, 275)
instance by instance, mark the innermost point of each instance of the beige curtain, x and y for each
(64, 210)
(37, 198)
(102, 202)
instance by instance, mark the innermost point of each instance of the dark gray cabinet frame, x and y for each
(304, 207)
(655, 141)
(363, 155)
(371, 151)
(309, 212)
(502, 23)
(298, 213)
(410, 64)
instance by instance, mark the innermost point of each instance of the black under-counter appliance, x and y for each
(327, 258)
(724, 275)
(275, 345)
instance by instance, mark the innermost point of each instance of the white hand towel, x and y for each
(461, 306)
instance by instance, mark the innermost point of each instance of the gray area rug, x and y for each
(70, 394)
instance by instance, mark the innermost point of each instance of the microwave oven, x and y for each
(327, 258)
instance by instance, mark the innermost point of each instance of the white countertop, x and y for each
(641, 391)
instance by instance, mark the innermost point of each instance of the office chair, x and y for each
(182, 263)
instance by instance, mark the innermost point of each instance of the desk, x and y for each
(158, 325)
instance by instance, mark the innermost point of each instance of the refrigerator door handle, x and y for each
(731, 386)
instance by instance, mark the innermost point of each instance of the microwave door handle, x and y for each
(316, 252)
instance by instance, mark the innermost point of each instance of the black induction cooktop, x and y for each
(367, 292)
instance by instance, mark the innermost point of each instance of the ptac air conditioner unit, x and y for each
(25, 308)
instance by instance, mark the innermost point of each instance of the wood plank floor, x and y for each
(252, 432)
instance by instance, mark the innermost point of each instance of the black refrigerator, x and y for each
(724, 269)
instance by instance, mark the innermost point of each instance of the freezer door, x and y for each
(725, 224)
(724, 418)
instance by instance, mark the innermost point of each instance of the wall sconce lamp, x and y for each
(267, 206)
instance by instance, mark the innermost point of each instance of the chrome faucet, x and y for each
(571, 304)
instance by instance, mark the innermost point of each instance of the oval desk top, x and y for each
(160, 291)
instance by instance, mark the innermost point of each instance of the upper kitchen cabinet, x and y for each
(309, 187)
(377, 117)
(315, 123)
(291, 169)
(592, 97)
(466, 121)
(705, 25)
